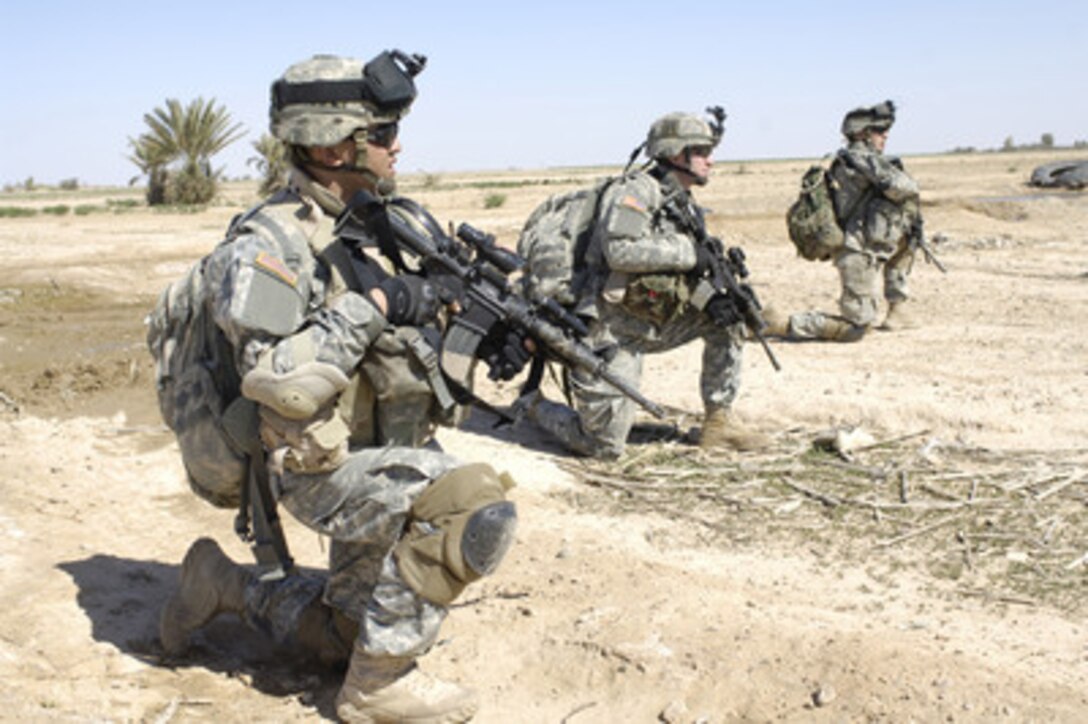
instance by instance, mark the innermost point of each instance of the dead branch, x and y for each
(918, 531)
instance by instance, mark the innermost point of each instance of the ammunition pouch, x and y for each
(887, 224)
(317, 444)
(400, 396)
(656, 298)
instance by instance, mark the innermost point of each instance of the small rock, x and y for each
(823, 695)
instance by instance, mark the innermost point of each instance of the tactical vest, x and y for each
(397, 396)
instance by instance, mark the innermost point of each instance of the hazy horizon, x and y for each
(562, 85)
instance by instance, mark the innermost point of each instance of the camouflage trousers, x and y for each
(363, 507)
(603, 416)
(860, 270)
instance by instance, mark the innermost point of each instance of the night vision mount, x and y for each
(386, 83)
(717, 121)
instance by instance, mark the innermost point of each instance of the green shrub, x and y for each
(84, 209)
(58, 210)
(494, 201)
(12, 212)
(69, 184)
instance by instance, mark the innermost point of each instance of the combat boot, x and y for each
(778, 324)
(211, 584)
(721, 429)
(391, 689)
(898, 318)
(839, 330)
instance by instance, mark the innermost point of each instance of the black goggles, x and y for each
(384, 135)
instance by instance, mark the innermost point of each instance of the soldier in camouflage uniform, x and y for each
(348, 396)
(876, 201)
(640, 263)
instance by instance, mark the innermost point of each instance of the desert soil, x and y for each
(610, 607)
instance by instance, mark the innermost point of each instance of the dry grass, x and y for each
(1005, 526)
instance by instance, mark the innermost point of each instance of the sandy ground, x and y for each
(596, 615)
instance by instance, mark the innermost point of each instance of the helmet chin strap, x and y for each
(684, 170)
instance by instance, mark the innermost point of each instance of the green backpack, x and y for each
(554, 240)
(198, 391)
(813, 226)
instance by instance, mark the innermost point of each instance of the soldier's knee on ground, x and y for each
(840, 330)
(460, 529)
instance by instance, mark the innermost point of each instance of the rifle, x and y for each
(917, 241)
(722, 278)
(472, 271)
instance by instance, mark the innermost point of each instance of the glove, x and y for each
(723, 310)
(410, 300)
(505, 352)
(704, 258)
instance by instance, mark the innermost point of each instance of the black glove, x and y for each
(723, 310)
(505, 352)
(410, 300)
(704, 258)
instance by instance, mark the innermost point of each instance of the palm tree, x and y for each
(185, 137)
(271, 163)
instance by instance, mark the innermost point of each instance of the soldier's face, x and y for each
(697, 160)
(877, 139)
(381, 160)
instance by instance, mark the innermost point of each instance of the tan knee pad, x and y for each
(460, 529)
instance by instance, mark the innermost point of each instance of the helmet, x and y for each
(323, 100)
(879, 117)
(672, 133)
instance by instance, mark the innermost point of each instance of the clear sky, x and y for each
(514, 84)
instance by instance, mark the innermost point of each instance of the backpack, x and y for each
(554, 240)
(813, 226)
(198, 391)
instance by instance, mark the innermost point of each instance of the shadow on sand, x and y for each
(122, 598)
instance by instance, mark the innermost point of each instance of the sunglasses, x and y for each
(703, 151)
(384, 135)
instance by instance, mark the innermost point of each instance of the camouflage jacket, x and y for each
(639, 254)
(859, 169)
(285, 295)
(271, 296)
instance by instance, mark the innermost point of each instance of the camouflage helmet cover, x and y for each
(673, 132)
(323, 100)
(879, 117)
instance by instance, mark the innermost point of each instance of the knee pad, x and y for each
(460, 529)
